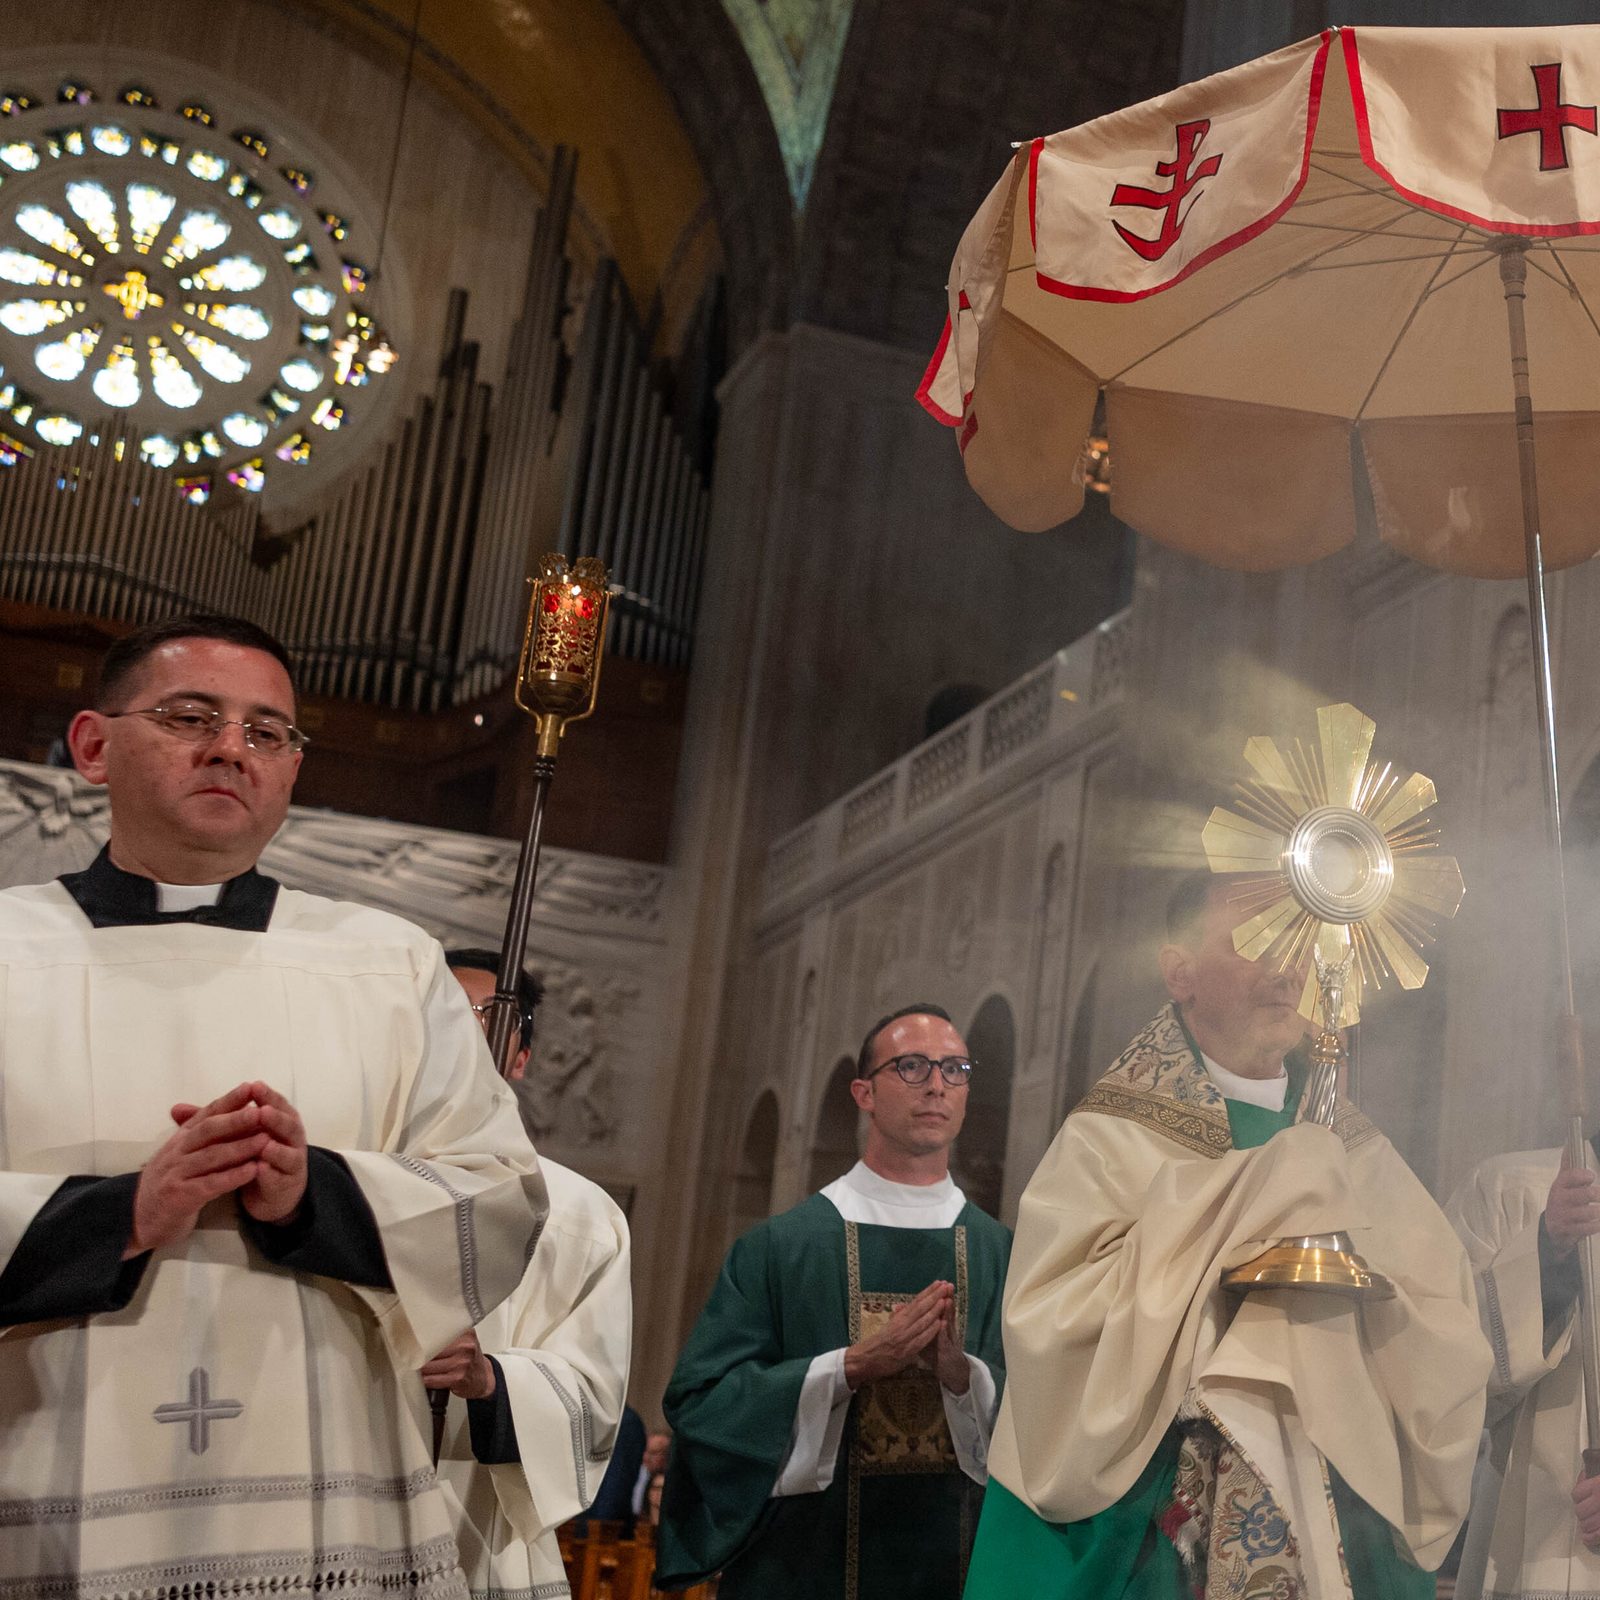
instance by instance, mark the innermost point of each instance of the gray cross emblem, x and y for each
(199, 1410)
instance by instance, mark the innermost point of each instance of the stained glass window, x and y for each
(156, 264)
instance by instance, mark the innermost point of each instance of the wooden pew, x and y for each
(604, 1564)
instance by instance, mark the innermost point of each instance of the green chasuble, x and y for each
(1122, 1554)
(899, 1516)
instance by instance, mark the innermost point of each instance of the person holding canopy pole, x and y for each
(1535, 1524)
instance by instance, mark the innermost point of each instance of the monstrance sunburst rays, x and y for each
(1333, 854)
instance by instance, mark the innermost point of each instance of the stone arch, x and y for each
(696, 53)
(580, 75)
(1397, 1065)
(836, 1137)
(1511, 653)
(978, 1162)
(1510, 754)
(750, 1200)
(892, 193)
(1079, 1068)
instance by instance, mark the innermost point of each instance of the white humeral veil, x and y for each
(1114, 1299)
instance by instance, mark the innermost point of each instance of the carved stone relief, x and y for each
(805, 1034)
(570, 1091)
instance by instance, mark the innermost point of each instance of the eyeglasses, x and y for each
(916, 1070)
(196, 723)
(483, 1010)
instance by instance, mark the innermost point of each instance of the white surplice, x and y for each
(240, 1428)
(562, 1340)
(1522, 1542)
(864, 1196)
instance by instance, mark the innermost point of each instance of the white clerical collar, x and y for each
(186, 896)
(1269, 1093)
(863, 1195)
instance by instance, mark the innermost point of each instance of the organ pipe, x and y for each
(405, 588)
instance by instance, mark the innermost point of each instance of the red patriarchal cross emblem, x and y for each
(1550, 119)
(1185, 174)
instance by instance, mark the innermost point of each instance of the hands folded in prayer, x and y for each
(922, 1332)
(250, 1140)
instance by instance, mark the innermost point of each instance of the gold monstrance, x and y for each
(1336, 858)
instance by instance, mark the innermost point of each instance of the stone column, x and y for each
(851, 574)
(710, 841)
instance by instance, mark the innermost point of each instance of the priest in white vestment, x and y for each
(1520, 1217)
(544, 1375)
(255, 1167)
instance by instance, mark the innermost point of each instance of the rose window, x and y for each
(155, 267)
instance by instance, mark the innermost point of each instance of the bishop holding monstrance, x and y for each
(255, 1169)
(1192, 1408)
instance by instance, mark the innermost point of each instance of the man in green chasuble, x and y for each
(831, 1412)
(1161, 1438)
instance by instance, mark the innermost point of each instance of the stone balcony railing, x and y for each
(1062, 700)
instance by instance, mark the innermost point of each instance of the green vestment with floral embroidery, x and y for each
(899, 1517)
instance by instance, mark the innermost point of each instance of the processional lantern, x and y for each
(1335, 866)
(558, 675)
(558, 678)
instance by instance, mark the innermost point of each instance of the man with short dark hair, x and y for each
(545, 1374)
(254, 1167)
(831, 1412)
(1162, 1438)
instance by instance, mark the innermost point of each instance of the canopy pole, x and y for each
(1514, 280)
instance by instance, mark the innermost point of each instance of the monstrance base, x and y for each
(1325, 1263)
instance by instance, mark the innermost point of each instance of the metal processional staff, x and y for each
(558, 678)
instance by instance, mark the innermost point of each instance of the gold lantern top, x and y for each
(558, 675)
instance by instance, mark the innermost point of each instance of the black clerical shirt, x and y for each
(69, 1261)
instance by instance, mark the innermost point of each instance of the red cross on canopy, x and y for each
(1185, 171)
(1550, 119)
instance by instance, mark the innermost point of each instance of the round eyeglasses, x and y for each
(483, 1010)
(917, 1069)
(197, 723)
